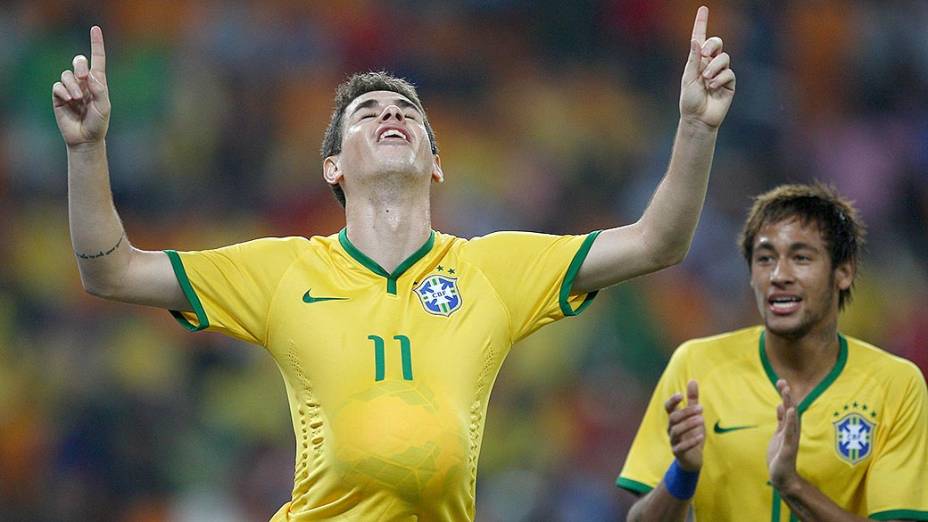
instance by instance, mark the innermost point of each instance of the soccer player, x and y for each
(388, 335)
(806, 423)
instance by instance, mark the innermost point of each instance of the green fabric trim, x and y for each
(820, 387)
(633, 485)
(189, 293)
(359, 256)
(900, 514)
(572, 272)
(765, 361)
(775, 507)
(372, 265)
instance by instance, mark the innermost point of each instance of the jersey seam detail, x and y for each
(475, 436)
(270, 302)
(499, 298)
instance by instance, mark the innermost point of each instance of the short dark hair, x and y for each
(356, 85)
(835, 216)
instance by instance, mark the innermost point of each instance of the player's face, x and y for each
(794, 284)
(383, 133)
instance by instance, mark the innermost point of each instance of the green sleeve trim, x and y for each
(572, 272)
(191, 295)
(900, 514)
(633, 485)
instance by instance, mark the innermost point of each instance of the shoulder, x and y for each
(260, 248)
(886, 367)
(501, 238)
(283, 243)
(737, 343)
(267, 254)
(443, 240)
(703, 357)
(486, 246)
(523, 244)
(274, 247)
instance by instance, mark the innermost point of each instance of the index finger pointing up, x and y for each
(699, 26)
(692, 393)
(97, 52)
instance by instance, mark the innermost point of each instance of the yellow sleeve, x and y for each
(897, 482)
(650, 454)
(230, 288)
(532, 275)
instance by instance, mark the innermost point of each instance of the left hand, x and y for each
(708, 83)
(784, 446)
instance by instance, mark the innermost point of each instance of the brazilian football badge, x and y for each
(854, 436)
(439, 295)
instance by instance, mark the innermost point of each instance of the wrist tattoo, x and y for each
(101, 253)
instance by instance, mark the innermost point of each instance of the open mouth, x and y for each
(392, 135)
(784, 305)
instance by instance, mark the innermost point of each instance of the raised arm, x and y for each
(110, 266)
(663, 235)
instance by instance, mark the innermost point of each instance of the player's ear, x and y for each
(331, 172)
(438, 176)
(844, 275)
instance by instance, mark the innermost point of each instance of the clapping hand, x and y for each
(686, 428)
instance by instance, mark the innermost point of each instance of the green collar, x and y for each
(820, 387)
(372, 265)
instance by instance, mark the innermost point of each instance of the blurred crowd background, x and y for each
(552, 116)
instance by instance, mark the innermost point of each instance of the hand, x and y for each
(686, 428)
(784, 446)
(708, 83)
(81, 99)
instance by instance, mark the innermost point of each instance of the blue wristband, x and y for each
(679, 482)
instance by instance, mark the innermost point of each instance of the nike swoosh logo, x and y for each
(310, 299)
(719, 429)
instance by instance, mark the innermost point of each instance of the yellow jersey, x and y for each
(387, 374)
(864, 431)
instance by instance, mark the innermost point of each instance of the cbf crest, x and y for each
(439, 295)
(853, 437)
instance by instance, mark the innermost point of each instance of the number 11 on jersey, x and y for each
(379, 356)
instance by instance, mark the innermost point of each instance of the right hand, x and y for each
(81, 99)
(708, 83)
(686, 428)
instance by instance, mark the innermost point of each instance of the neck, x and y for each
(390, 223)
(804, 361)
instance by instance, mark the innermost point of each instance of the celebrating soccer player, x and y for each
(805, 422)
(388, 334)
